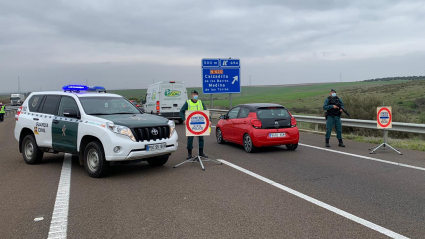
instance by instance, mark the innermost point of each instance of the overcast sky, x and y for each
(127, 44)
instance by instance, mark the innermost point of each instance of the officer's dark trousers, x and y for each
(330, 122)
(190, 142)
(1, 117)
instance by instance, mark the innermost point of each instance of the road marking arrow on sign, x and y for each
(235, 78)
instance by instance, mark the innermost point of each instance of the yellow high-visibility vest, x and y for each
(194, 106)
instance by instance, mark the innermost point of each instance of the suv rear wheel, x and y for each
(30, 151)
(248, 145)
(158, 161)
(94, 160)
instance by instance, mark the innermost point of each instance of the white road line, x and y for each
(59, 223)
(365, 157)
(340, 212)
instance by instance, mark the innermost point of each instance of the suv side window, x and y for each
(67, 103)
(35, 102)
(50, 105)
(233, 114)
(243, 113)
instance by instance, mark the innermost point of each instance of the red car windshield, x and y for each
(273, 113)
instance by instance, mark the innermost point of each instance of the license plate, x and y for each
(153, 147)
(277, 135)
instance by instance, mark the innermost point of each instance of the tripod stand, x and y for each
(198, 159)
(384, 145)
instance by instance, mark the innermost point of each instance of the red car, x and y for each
(258, 125)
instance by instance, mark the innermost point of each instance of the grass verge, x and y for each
(412, 144)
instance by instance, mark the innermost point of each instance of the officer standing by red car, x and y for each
(333, 117)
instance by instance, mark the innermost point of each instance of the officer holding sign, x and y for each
(193, 104)
(334, 107)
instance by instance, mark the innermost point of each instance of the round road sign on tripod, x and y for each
(197, 123)
(384, 117)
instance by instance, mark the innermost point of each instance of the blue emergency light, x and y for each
(97, 88)
(78, 88)
(74, 87)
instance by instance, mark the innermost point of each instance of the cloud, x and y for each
(170, 35)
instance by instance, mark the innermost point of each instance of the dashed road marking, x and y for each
(333, 209)
(365, 157)
(59, 223)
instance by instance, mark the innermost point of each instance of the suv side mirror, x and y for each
(71, 113)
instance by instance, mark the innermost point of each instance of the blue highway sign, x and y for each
(221, 76)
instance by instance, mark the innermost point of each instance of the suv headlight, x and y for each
(172, 125)
(118, 129)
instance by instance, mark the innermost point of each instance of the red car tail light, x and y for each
(18, 113)
(293, 122)
(137, 105)
(157, 107)
(256, 123)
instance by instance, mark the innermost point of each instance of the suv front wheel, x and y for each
(30, 151)
(94, 160)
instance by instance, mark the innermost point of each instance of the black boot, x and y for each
(189, 154)
(341, 144)
(327, 143)
(201, 153)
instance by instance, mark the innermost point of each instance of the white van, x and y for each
(166, 99)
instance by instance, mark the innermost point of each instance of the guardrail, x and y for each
(10, 112)
(367, 124)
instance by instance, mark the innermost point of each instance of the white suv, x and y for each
(97, 127)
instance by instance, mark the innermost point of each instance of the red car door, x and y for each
(228, 124)
(240, 124)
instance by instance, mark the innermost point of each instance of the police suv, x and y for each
(93, 125)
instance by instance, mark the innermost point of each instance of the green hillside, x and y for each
(299, 96)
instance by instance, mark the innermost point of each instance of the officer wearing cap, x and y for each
(333, 117)
(193, 104)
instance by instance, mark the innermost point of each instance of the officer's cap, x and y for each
(194, 92)
(332, 90)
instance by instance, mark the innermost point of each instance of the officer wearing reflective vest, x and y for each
(193, 104)
(333, 117)
(2, 111)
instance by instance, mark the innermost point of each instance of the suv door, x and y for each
(240, 124)
(227, 129)
(43, 120)
(65, 129)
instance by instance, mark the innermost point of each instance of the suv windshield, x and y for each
(15, 98)
(273, 113)
(107, 106)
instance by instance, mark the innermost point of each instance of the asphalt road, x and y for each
(139, 201)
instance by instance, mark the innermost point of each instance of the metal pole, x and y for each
(230, 96)
(211, 99)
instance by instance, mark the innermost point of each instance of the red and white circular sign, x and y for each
(384, 117)
(197, 124)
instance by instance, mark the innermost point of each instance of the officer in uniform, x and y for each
(333, 117)
(2, 111)
(193, 104)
